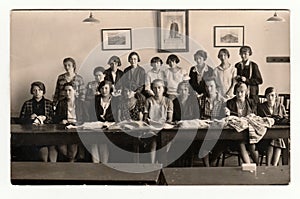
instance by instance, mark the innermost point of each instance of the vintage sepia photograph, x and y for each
(150, 97)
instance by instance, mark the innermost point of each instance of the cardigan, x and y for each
(253, 79)
(28, 109)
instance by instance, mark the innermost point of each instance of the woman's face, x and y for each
(241, 92)
(211, 87)
(223, 56)
(133, 60)
(113, 65)
(172, 63)
(70, 92)
(69, 67)
(99, 76)
(156, 65)
(183, 91)
(37, 92)
(245, 55)
(158, 89)
(105, 90)
(199, 60)
(271, 97)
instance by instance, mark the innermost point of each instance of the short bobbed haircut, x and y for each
(245, 49)
(133, 53)
(114, 59)
(70, 59)
(270, 90)
(172, 57)
(225, 51)
(238, 85)
(186, 84)
(41, 85)
(156, 59)
(98, 69)
(101, 84)
(200, 53)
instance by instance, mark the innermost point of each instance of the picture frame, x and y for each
(173, 30)
(116, 39)
(228, 36)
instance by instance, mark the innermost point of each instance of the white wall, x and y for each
(40, 40)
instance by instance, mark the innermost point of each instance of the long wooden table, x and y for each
(227, 176)
(55, 134)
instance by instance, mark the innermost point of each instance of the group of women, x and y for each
(157, 96)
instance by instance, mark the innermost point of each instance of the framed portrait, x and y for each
(116, 39)
(173, 31)
(228, 36)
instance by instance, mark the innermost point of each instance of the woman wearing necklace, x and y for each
(199, 72)
(225, 75)
(241, 106)
(69, 76)
(272, 108)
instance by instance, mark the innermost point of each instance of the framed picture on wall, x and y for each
(116, 39)
(228, 36)
(173, 31)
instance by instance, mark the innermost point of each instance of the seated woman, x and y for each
(242, 106)
(131, 105)
(69, 111)
(158, 109)
(212, 106)
(185, 104)
(272, 108)
(185, 107)
(103, 109)
(39, 110)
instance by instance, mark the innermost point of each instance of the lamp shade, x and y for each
(90, 19)
(275, 18)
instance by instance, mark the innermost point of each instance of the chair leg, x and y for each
(223, 159)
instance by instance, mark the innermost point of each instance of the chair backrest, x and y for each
(262, 98)
(285, 100)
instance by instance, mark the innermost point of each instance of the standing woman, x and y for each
(225, 75)
(134, 75)
(174, 75)
(248, 72)
(272, 108)
(199, 72)
(39, 110)
(69, 76)
(113, 74)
